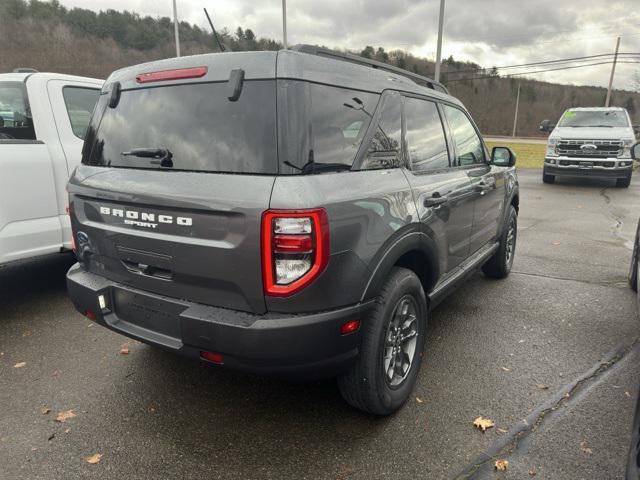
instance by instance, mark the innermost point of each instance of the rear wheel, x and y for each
(623, 182)
(547, 178)
(393, 337)
(635, 259)
(499, 265)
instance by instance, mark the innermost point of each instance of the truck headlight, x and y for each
(552, 143)
(626, 149)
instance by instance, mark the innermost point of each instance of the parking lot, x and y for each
(550, 354)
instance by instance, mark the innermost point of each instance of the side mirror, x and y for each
(503, 157)
(635, 151)
(544, 126)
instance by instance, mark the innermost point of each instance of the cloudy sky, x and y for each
(489, 32)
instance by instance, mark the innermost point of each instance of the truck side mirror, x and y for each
(503, 157)
(635, 151)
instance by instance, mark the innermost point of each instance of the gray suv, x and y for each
(295, 213)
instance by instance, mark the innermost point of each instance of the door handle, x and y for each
(435, 200)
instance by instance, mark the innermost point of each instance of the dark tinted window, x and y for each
(469, 149)
(426, 143)
(321, 127)
(80, 103)
(384, 150)
(15, 115)
(201, 128)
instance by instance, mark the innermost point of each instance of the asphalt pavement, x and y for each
(550, 354)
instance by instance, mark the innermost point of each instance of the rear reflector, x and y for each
(178, 74)
(350, 327)
(212, 357)
(90, 314)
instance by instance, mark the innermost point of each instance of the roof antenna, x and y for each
(220, 44)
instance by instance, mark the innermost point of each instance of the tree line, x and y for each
(50, 37)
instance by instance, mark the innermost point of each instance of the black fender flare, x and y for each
(406, 240)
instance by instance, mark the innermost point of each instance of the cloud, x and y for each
(488, 32)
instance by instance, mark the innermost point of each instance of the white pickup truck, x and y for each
(43, 118)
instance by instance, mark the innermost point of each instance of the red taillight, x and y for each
(212, 357)
(90, 314)
(349, 327)
(178, 74)
(295, 249)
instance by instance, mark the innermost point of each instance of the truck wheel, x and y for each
(633, 270)
(499, 265)
(393, 338)
(547, 178)
(623, 182)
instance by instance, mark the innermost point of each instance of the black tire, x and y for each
(548, 178)
(499, 265)
(366, 385)
(623, 182)
(635, 259)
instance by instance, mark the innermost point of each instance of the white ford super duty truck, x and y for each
(43, 118)
(590, 142)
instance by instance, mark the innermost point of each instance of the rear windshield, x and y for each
(195, 126)
(594, 118)
(16, 122)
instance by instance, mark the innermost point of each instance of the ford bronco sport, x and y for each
(295, 213)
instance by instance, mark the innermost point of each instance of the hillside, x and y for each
(49, 37)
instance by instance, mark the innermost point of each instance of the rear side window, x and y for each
(196, 127)
(384, 149)
(321, 127)
(16, 122)
(469, 148)
(426, 142)
(79, 103)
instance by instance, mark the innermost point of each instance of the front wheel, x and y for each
(393, 338)
(623, 182)
(499, 265)
(635, 260)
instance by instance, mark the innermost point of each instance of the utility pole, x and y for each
(515, 118)
(175, 27)
(613, 71)
(439, 51)
(284, 24)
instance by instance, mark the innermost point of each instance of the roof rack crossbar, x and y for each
(350, 57)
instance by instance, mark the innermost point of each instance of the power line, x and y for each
(518, 74)
(548, 62)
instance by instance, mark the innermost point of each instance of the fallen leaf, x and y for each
(418, 399)
(124, 350)
(542, 386)
(532, 471)
(45, 409)
(67, 430)
(627, 394)
(93, 459)
(501, 465)
(506, 369)
(585, 448)
(502, 430)
(19, 364)
(64, 416)
(483, 423)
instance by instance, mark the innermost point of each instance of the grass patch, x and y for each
(529, 155)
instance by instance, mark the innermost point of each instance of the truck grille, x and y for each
(603, 148)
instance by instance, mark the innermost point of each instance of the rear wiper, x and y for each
(159, 156)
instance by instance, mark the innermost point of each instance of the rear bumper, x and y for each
(579, 167)
(305, 346)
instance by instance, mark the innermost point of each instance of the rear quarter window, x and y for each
(79, 102)
(16, 122)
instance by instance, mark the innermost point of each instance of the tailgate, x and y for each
(186, 235)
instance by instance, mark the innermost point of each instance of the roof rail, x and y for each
(350, 57)
(24, 70)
